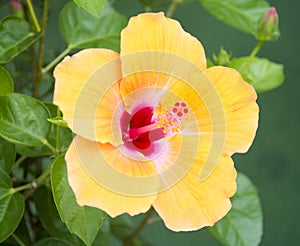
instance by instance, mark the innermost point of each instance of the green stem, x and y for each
(35, 183)
(256, 49)
(20, 160)
(18, 240)
(42, 178)
(139, 228)
(57, 59)
(23, 187)
(33, 16)
(58, 132)
(41, 50)
(50, 147)
(172, 8)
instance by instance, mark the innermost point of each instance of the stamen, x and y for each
(150, 124)
(166, 121)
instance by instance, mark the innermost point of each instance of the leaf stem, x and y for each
(33, 16)
(50, 146)
(41, 50)
(58, 132)
(42, 178)
(35, 183)
(57, 59)
(256, 48)
(20, 160)
(23, 187)
(172, 8)
(139, 228)
(18, 240)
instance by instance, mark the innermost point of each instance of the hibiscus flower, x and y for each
(155, 126)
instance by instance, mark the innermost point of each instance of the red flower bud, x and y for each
(268, 26)
(16, 4)
(271, 15)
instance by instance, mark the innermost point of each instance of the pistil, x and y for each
(134, 133)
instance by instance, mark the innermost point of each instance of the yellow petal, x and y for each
(191, 204)
(155, 32)
(83, 85)
(89, 191)
(107, 117)
(144, 89)
(241, 111)
(204, 121)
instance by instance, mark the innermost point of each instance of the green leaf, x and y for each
(7, 155)
(15, 37)
(241, 14)
(59, 121)
(242, 226)
(23, 120)
(49, 217)
(11, 207)
(52, 242)
(94, 7)
(84, 221)
(261, 73)
(103, 235)
(6, 82)
(82, 30)
(66, 137)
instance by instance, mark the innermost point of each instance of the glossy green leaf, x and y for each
(6, 82)
(15, 37)
(59, 121)
(52, 242)
(84, 221)
(11, 207)
(7, 155)
(242, 226)
(50, 219)
(241, 14)
(261, 73)
(103, 235)
(23, 120)
(94, 7)
(66, 137)
(82, 30)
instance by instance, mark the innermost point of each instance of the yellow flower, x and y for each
(154, 126)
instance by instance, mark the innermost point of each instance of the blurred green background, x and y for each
(272, 163)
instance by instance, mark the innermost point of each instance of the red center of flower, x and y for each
(150, 124)
(143, 130)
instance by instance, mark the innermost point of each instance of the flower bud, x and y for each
(268, 26)
(223, 59)
(16, 8)
(15, 4)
